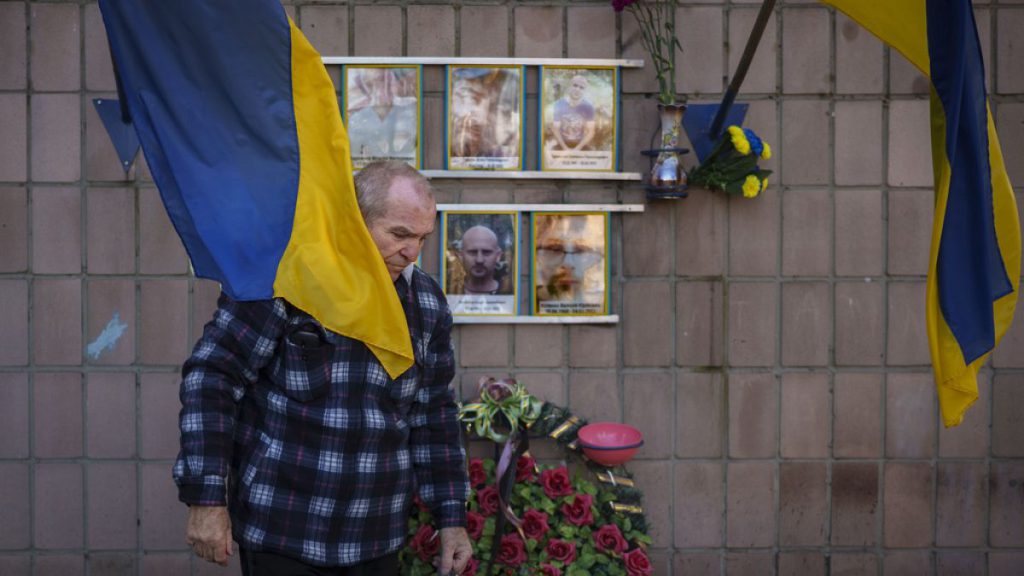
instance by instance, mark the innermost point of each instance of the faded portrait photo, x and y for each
(382, 113)
(485, 118)
(570, 267)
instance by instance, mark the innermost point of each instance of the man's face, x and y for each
(577, 88)
(400, 232)
(374, 81)
(471, 105)
(565, 253)
(480, 253)
(473, 101)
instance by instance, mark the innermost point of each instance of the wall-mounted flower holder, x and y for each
(667, 177)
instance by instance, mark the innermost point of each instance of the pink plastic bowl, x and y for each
(610, 443)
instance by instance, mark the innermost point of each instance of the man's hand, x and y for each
(455, 550)
(209, 533)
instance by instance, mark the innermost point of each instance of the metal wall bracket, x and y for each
(122, 134)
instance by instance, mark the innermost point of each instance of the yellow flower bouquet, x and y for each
(732, 164)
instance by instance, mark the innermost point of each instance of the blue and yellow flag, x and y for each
(240, 126)
(974, 270)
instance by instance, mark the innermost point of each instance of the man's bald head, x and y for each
(480, 254)
(480, 234)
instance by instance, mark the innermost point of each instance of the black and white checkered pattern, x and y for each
(322, 448)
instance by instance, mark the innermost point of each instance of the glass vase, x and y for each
(668, 178)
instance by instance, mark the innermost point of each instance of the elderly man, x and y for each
(297, 444)
(480, 255)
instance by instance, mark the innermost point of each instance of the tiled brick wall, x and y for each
(772, 351)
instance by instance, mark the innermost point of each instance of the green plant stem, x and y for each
(650, 21)
(665, 47)
(665, 63)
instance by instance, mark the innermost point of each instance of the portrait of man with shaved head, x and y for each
(479, 265)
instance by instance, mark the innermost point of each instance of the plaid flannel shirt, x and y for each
(321, 449)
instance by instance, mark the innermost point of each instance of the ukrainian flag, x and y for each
(974, 271)
(240, 126)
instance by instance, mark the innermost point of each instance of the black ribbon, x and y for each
(519, 441)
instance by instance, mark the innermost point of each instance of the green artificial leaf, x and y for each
(627, 525)
(482, 427)
(512, 413)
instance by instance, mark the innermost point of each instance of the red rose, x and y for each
(535, 524)
(608, 539)
(420, 503)
(471, 567)
(549, 570)
(564, 552)
(578, 511)
(526, 469)
(556, 482)
(637, 563)
(487, 500)
(474, 525)
(512, 551)
(425, 542)
(477, 475)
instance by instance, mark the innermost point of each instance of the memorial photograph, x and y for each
(382, 113)
(579, 118)
(484, 118)
(570, 268)
(479, 264)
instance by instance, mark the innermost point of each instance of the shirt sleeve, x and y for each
(436, 436)
(236, 344)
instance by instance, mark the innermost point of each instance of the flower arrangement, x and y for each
(504, 407)
(569, 528)
(528, 519)
(658, 34)
(732, 164)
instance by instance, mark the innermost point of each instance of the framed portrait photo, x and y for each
(480, 262)
(570, 274)
(579, 118)
(484, 118)
(383, 113)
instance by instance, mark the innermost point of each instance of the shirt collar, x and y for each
(407, 273)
